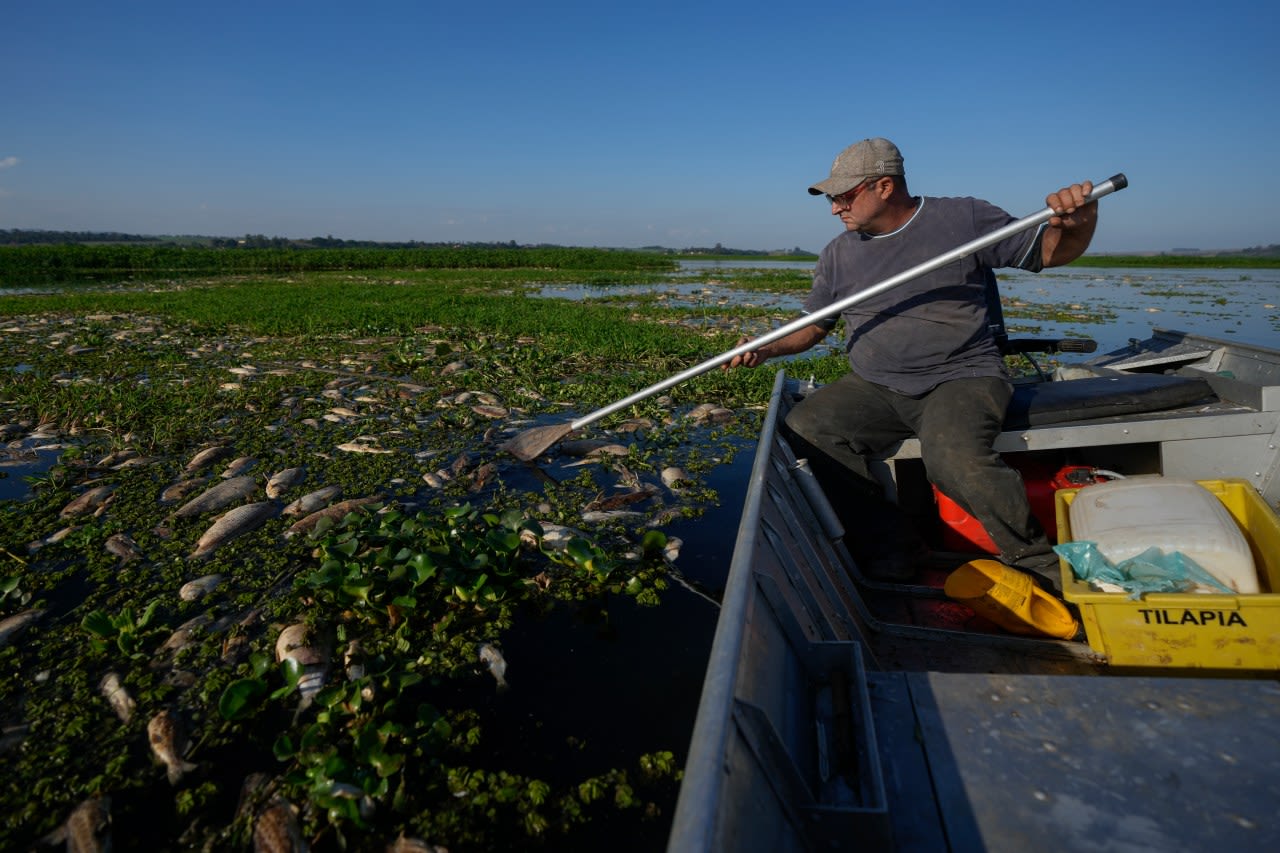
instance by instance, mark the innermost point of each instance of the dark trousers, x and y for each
(840, 424)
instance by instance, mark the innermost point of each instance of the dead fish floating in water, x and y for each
(709, 413)
(234, 523)
(495, 662)
(613, 502)
(184, 634)
(90, 501)
(301, 644)
(610, 515)
(312, 501)
(281, 481)
(277, 831)
(359, 446)
(675, 478)
(336, 512)
(554, 536)
(117, 696)
(199, 588)
(168, 742)
(239, 466)
(12, 626)
(222, 495)
(88, 828)
(122, 545)
(113, 459)
(207, 457)
(181, 489)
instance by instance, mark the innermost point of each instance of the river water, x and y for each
(1236, 304)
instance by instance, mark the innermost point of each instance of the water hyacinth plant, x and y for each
(386, 717)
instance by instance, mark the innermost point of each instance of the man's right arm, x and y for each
(798, 341)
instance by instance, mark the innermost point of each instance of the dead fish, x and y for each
(88, 502)
(122, 546)
(88, 828)
(482, 475)
(362, 447)
(236, 646)
(168, 742)
(233, 523)
(674, 478)
(453, 367)
(281, 481)
(184, 634)
(709, 413)
(497, 664)
(200, 587)
(207, 457)
(300, 643)
(610, 515)
(277, 830)
(12, 626)
(487, 411)
(313, 501)
(239, 466)
(117, 697)
(112, 459)
(222, 495)
(336, 512)
(615, 501)
(554, 536)
(483, 398)
(181, 489)
(134, 462)
(253, 790)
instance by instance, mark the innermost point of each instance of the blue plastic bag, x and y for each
(1151, 571)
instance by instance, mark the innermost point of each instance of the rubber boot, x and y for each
(1011, 599)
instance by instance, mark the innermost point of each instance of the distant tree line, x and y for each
(26, 237)
(718, 249)
(67, 260)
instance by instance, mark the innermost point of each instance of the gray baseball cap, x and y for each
(870, 158)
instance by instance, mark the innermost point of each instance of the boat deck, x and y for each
(842, 713)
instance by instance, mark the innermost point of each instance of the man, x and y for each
(923, 358)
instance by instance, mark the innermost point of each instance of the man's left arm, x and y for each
(1070, 231)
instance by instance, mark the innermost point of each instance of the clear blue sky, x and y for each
(629, 124)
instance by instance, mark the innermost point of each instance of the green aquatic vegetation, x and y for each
(387, 567)
(177, 367)
(129, 633)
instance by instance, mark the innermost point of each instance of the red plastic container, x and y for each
(962, 532)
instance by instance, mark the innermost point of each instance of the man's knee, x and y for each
(803, 421)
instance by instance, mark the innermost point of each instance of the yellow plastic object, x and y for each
(1010, 599)
(1189, 629)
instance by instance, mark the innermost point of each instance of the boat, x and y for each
(839, 712)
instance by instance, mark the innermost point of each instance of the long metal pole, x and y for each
(1112, 184)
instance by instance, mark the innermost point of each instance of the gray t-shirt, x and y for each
(933, 328)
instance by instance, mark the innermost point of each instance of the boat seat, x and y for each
(1045, 403)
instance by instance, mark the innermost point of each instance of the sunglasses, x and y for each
(846, 199)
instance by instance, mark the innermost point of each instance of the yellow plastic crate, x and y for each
(1189, 629)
